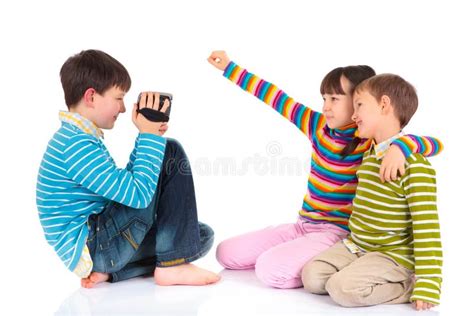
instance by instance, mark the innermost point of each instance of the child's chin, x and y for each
(331, 125)
(364, 135)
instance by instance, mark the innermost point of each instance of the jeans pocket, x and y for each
(135, 232)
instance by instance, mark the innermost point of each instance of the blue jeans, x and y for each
(127, 242)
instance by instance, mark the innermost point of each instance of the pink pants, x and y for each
(279, 253)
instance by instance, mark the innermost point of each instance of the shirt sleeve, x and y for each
(88, 164)
(133, 156)
(307, 120)
(420, 189)
(425, 145)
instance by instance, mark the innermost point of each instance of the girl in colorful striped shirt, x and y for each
(279, 253)
(393, 253)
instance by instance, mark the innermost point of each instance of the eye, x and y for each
(334, 99)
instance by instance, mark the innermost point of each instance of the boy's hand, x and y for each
(393, 163)
(219, 59)
(420, 305)
(140, 121)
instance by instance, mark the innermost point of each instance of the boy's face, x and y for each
(108, 106)
(337, 108)
(367, 114)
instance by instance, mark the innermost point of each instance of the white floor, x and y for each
(238, 293)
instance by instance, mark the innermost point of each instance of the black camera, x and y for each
(154, 115)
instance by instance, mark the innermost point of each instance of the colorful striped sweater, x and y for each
(78, 177)
(332, 180)
(400, 219)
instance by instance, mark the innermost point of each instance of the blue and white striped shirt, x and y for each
(78, 177)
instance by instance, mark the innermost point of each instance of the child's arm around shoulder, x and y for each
(303, 117)
(426, 145)
(393, 163)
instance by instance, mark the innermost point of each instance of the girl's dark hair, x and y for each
(331, 84)
(92, 69)
(350, 147)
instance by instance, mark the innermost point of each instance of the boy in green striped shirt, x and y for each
(393, 253)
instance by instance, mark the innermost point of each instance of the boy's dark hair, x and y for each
(332, 84)
(401, 93)
(92, 69)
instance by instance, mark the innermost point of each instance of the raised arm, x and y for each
(144, 125)
(88, 166)
(133, 156)
(307, 120)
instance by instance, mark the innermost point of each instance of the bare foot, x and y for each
(93, 279)
(185, 274)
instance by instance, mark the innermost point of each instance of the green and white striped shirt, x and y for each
(400, 219)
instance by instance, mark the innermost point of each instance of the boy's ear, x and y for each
(89, 96)
(386, 104)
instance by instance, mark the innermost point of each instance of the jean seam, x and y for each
(179, 261)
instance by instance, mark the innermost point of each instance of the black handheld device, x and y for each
(154, 115)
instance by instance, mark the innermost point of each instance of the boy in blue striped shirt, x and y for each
(107, 223)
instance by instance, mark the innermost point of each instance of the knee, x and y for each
(174, 145)
(340, 289)
(205, 231)
(315, 275)
(206, 237)
(175, 156)
(226, 255)
(275, 273)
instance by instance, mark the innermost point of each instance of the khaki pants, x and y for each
(360, 279)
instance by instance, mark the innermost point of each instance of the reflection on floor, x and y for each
(238, 293)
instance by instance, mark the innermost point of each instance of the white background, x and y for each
(164, 46)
